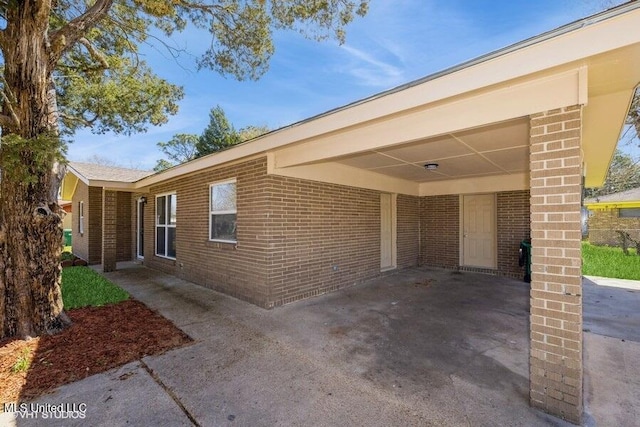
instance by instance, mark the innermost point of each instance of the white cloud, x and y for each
(371, 71)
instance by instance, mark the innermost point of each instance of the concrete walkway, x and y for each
(421, 347)
(611, 327)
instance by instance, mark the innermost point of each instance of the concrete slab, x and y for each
(611, 311)
(615, 283)
(126, 395)
(419, 347)
(612, 384)
(611, 351)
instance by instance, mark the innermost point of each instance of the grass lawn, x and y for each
(82, 287)
(605, 261)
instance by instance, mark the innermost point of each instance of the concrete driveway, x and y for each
(420, 347)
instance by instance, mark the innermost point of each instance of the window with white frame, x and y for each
(81, 217)
(166, 225)
(222, 211)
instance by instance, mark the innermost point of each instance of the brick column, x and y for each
(109, 230)
(556, 283)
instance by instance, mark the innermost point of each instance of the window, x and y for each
(81, 218)
(222, 211)
(166, 225)
(629, 213)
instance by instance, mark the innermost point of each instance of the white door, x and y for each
(387, 231)
(479, 231)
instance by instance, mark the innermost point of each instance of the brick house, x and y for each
(613, 212)
(83, 186)
(452, 170)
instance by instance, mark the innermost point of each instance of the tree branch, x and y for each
(77, 119)
(65, 37)
(95, 53)
(8, 99)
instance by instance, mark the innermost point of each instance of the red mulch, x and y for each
(99, 339)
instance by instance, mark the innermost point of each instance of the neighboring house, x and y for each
(453, 170)
(611, 213)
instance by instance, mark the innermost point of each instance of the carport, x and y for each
(540, 118)
(461, 166)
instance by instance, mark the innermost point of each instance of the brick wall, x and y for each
(93, 220)
(110, 209)
(514, 226)
(239, 270)
(124, 226)
(603, 225)
(408, 230)
(322, 237)
(440, 231)
(296, 238)
(556, 286)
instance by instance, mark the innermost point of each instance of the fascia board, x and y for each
(561, 89)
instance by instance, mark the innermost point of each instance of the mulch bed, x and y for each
(99, 339)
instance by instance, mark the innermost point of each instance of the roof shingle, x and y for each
(92, 171)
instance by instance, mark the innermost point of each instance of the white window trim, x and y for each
(212, 212)
(166, 226)
(81, 217)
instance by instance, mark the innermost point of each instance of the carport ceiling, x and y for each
(498, 149)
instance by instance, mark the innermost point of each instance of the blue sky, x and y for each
(397, 42)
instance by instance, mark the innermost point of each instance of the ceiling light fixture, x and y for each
(431, 166)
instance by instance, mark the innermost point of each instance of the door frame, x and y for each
(140, 226)
(495, 230)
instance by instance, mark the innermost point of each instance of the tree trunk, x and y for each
(30, 219)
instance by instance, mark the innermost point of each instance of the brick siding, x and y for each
(93, 224)
(124, 226)
(603, 225)
(296, 238)
(110, 211)
(440, 231)
(514, 226)
(239, 270)
(556, 286)
(323, 237)
(408, 230)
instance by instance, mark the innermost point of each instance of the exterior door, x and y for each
(387, 231)
(479, 231)
(140, 231)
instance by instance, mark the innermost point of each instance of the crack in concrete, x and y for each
(171, 394)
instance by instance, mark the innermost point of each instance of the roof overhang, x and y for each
(70, 181)
(594, 63)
